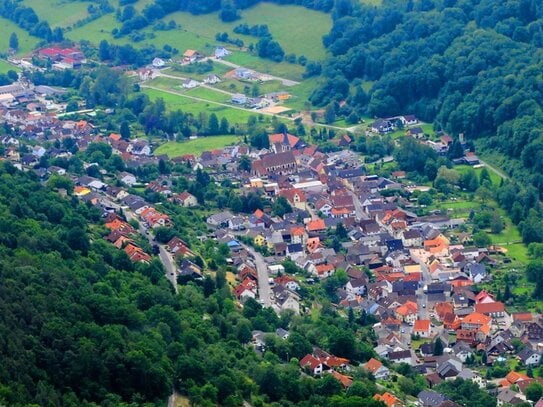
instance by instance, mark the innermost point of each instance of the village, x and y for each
(416, 277)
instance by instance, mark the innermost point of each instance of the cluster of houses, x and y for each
(412, 129)
(121, 237)
(414, 275)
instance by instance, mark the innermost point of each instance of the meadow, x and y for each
(5, 67)
(26, 42)
(198, 32)
(59, 13)
(187, 105)
(198, 146)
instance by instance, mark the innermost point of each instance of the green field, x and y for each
(198, 32)
(495, 178)
(283, 21)
(5, 67)
(209, 94)
(26, 42)
(282, 69)
(198, 146)
(195, 107)
(59, 13)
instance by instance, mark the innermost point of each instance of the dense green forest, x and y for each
(81, 325)
(472, 66)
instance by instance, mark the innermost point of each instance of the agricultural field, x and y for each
(59, 13)
(198, 146)
(27, 43)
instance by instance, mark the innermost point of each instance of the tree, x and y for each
(125, 130)
(14, 41)
(438, 347)
(534, 391)
(213, 124)
(330, 114)
(281, 206)
(481, 239)
(244, 163)
(224, 126)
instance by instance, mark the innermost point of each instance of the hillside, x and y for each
(470, 66)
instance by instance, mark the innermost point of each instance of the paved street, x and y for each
(264, 289)
(165, 257)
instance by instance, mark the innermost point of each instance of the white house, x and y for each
(158, 63)
(187, 199)
(190, 83)
(239, 99)
(212, 79)
(128, 179)
(221, 52)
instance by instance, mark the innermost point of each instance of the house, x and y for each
(190, 83)
(409, 120)
(382, 126)
(187, 200)
(128, 178)
(158, 63)
(377, 369)
(493, 309)
(313, 365)
(239, 99)
(190, 56)
(401, 356)
(407, 312)
(422, 328)
(509, 397)
(529, 357)
(212, 79)
(221, 52)
(346, 381)
(389, 399)
(476, 271)
(430, 398)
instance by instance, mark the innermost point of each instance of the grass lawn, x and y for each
(209, 94)
(176, 149)
(218, 69)
(5, 67)
(27, 42)
(285, 23)
(495, 178)
(195, 107)
(286, 26)
(518, 251)
(59, 13)
(300, 94)
(281, 69)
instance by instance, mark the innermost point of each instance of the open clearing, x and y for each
(195, 107)
(59, 13)
(198, 146)
(5, 67)
(26, 42)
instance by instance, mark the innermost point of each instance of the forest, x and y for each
(82, 326)
(469, 66)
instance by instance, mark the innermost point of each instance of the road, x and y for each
(360, 214)
(498, 172)
(286, 82)
(202, 85)
(165, 257)
(264, 289)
